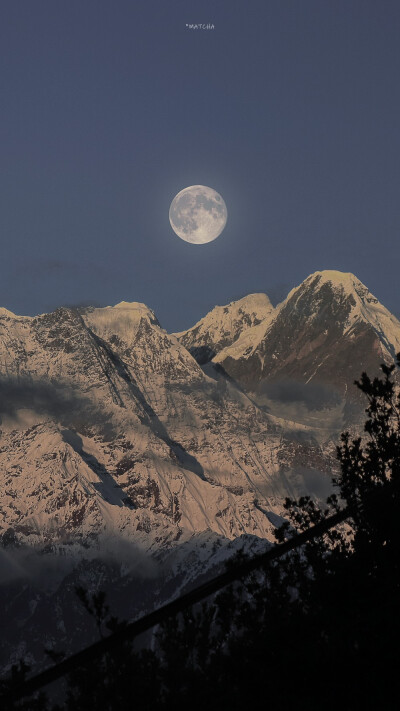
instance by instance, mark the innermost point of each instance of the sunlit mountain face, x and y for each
(129, 454)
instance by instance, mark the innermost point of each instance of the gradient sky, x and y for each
(290, 109)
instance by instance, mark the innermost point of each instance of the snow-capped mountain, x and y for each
(327, 331)
(109, 425)
(113, 430)
(224, 324)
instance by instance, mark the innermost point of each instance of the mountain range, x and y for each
(139, 460)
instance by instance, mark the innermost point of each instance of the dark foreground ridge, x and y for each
(133, 629)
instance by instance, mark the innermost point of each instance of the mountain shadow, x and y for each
(150, 418)
(107, 486)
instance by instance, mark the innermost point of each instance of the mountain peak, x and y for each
(224, 324)
(327, 331)
(335, 276)
(121, 320)
(256, 301)
(5, 313)
(344, 281)
(130, 306)
(343, 287)
(135, 310)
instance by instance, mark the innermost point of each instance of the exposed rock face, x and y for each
(224, 324)
(112, 431)
(110, 426)
(327, 331)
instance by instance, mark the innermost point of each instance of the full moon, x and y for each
(198, 214)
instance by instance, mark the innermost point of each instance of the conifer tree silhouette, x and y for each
(319, 628)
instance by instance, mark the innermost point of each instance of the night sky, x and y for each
(290, 109)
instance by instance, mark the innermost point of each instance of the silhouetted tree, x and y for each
(321, 627)
(318, 629)
(16, 678)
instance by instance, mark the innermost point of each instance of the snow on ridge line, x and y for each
(347, 280)
(247, 342)
(122, 320)
(129, 305)
(251, 303)
(5, 313)
(132, 309)
(367, 308)
(335, 276)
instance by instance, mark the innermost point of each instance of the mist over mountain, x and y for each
(306, 358)
(152, 457)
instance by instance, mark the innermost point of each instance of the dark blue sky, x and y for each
(290, 109)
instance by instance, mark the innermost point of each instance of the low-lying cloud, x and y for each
(314, 396)
(38, 395)
(45, 570)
